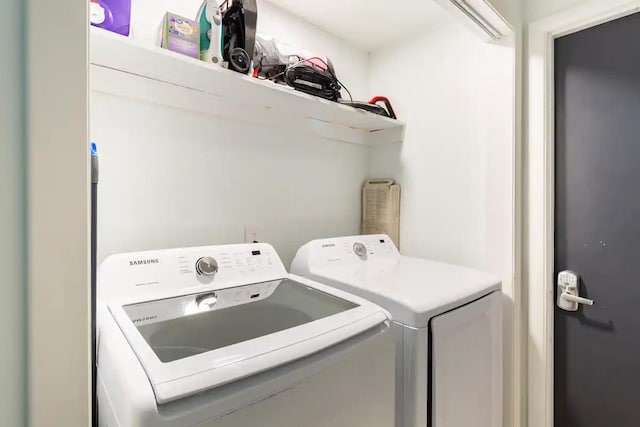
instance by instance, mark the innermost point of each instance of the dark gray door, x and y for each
(597, 225)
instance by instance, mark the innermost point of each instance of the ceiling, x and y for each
(368, 24)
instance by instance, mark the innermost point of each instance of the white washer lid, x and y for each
(183, 353)
(413, 290)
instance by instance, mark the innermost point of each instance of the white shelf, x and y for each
(121, 67)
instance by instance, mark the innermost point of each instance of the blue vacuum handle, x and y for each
(94, 267)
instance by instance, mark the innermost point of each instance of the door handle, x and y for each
(568, 297)
(579, 300)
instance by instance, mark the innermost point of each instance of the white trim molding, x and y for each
(59, 384)
(538, 199)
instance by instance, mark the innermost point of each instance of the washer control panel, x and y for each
(188, 269)
(347, 250)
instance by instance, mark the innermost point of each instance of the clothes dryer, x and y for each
(448, 325)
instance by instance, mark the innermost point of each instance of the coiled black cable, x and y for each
(307, 77)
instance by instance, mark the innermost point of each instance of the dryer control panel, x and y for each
(351, 250)
(165, 273)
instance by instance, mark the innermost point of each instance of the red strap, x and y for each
(375, 99)
(387, 104)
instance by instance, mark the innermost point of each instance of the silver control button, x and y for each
(206, 266)
(359, 249)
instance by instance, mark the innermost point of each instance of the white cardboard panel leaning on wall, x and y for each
(381, 208)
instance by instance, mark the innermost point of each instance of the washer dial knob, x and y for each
(206, 266)
(359, 249)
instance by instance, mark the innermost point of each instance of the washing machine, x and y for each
(223, 336)
(447, 321)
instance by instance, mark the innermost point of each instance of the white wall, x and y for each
(350, 62)
(173, 178)
(456, 165)
(12, 214)
(444, 96)
(511, 10)
(538, 9)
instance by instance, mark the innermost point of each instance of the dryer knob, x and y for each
(359, 249)
(206, 266)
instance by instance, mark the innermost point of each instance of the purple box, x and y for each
(112, 15)
(180, 35)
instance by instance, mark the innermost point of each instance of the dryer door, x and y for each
(466, 382)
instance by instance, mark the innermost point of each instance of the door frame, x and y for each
(539, 192)
(58, 220)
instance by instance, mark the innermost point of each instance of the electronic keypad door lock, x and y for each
(568, 296)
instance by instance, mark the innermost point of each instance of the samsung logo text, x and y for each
(143, 261)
